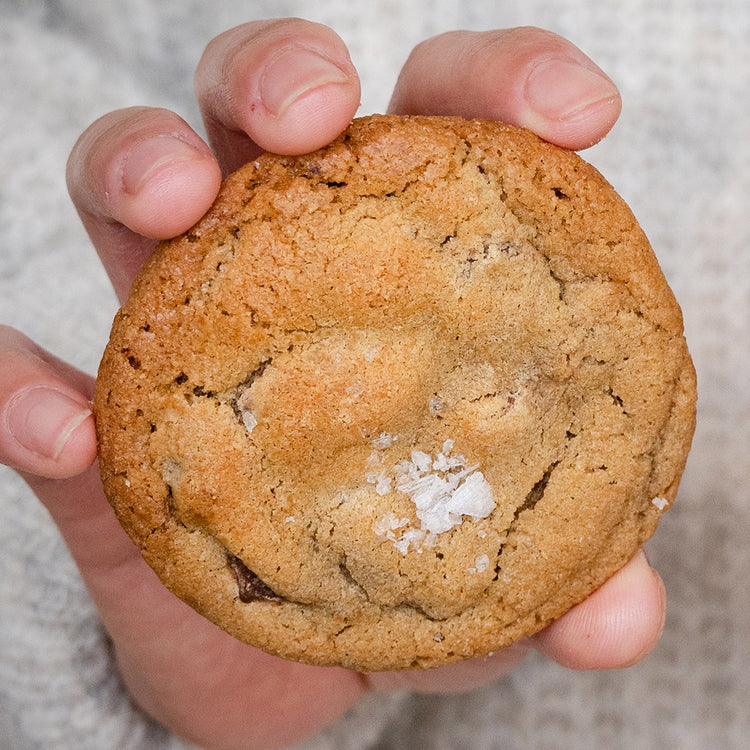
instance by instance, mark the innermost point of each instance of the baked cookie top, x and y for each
(400, 401)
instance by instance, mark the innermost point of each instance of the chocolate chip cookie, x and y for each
(400, 401)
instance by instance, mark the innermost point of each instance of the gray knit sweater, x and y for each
(680, 155)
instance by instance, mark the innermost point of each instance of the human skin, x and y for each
(142, 174)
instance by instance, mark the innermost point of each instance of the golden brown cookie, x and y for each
(400, 401)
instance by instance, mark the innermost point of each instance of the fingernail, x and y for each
(42, 420)
(146, 157)
(561, 89)
(292, 74)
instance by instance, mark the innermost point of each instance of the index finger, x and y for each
(142, 174)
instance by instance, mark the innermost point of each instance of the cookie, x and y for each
(398, 402)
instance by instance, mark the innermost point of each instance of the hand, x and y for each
(141, 174)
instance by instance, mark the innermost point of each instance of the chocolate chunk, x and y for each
(251, 588)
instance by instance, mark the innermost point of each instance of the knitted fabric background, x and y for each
(680, 155)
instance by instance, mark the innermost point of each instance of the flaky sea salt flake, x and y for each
(384, 440)
(385, 526)
(355, 390)
(421, 460)
(249, 420)
(443, 488)
(383, 485)
(371, 353)
(472, 498)
(435, 405)
(482, 563)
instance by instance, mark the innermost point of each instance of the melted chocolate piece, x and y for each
(251, 588)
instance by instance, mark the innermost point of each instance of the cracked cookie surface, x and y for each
(400, 401)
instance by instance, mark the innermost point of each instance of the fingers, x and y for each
(142, 174)
(135, 176)
(288, 84)
(47, 435)
(524, 76)
(46, 426)
(615, 627)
